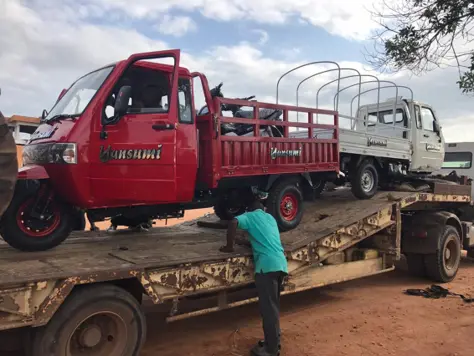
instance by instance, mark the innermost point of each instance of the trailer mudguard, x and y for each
(32, 172)
(422, 232)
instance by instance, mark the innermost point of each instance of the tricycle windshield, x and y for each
(79, 95)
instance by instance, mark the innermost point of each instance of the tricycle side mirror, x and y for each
(44, 114)
(121, 102)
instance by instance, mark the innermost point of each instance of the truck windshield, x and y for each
(76, 99)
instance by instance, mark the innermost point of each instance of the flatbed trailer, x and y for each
(86, 293)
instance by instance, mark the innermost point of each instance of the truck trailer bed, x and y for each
(93, 252)
(169, 264)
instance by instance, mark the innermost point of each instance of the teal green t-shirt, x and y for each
(267, 249)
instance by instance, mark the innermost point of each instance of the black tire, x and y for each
(17, 235)
(286, 190)
(364, 180)
(224, 212)
(122, 327)
(443, 265)
(416, 264)
(79, 221)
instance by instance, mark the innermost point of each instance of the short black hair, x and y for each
(255, 205)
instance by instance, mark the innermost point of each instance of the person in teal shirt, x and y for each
(270, 269)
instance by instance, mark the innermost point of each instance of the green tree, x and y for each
(420, 35)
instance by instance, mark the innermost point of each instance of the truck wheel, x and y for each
(224, 212)
(285, 204)
(443, 265)
(25, 232)
(98, 320)
(365, 180)
(416, 264)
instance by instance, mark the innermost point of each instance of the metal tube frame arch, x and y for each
(340, 90)
(319, 73)
(323, 72)
(301, 66)
(385, 87)
(332, 81)
(378, 81)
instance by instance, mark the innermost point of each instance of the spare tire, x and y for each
(8, 165)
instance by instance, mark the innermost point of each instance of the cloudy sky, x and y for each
(247, 44)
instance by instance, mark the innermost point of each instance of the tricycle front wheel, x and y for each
(35, 222)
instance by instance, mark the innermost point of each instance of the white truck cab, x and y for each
(405, 121)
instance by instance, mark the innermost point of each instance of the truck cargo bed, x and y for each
(92, 252)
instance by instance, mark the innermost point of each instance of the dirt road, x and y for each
(371, 316)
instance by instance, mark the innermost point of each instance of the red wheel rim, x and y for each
(26, 223)
(289, 207)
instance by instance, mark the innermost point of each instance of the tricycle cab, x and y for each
(98, 158)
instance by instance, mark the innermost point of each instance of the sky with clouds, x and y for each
(46, 44)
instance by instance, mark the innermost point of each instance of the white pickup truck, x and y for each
(384, 139)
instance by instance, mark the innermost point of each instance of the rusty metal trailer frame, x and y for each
(29, 300)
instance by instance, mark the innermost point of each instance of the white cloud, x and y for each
(41, 54)
(176, 25)
(346, 18)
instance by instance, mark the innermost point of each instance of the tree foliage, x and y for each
(420, 35)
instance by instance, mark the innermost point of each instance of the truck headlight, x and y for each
(47, 153)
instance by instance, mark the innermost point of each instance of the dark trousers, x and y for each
(268, 289)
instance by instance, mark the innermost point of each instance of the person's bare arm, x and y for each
(231, 233)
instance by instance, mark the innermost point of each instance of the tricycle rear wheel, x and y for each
(35, 223)
(285, 204)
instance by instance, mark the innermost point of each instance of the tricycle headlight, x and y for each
(64, 153)
(61, 153)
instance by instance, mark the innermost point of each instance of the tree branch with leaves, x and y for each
(420, 35)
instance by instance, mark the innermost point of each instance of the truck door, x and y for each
(186, 142)
(135, 163)
(428, 143)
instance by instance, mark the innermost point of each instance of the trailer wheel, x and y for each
(416, 264)
(364, 181)
(285, 204)
(102, 320)
(443, 265)
(24, 231)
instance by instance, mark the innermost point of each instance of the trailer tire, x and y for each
(285, 204)
(416, 264)
(364, 180)
(443, 265)
(101, 320)
(17, 230)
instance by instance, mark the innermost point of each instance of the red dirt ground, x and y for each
(369, 316)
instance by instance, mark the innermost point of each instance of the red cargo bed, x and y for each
(235, 156)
